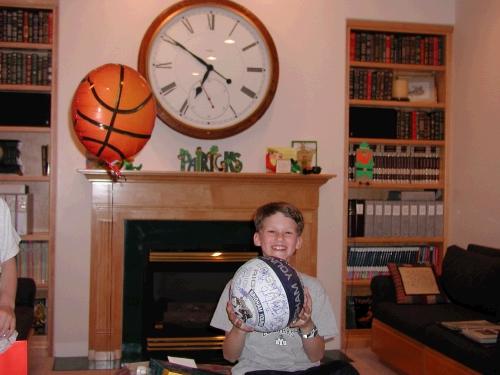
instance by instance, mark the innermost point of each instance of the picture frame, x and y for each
(421, 87)
(307, 153)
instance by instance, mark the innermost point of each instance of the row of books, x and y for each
(397, 48)
(420, 125)
(365, 262)
(19, 202)
(26, 25)
(386, 218)
(370, 84)
(25, 68)
(401, 164)
(32, 261)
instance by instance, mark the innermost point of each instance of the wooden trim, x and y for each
(409, 356)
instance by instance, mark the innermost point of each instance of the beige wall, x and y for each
(475, 179)
(309, 104)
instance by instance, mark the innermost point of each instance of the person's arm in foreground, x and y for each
(8, 287)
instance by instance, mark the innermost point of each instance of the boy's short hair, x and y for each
(287, 209)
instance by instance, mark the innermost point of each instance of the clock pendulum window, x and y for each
(212, 66)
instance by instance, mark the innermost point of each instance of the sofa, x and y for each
(409, 336)
(24, 309)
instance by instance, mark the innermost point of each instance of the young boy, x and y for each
(9, 247)
(299, 347)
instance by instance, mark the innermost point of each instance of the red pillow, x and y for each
(416, 284)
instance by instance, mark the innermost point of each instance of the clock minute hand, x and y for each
(171, 40)
(176, 43)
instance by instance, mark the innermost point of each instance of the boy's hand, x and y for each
(237, 322)
(303, 321)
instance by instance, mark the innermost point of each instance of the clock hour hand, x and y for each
(205, 76)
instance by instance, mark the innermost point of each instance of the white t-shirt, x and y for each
(9, 239)
(280, 350)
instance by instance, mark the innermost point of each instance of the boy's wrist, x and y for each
(308, 333)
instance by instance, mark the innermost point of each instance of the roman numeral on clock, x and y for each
(255, 69)
(211, 21)
(245, 90)
(165, 65)
(184, 108)
(165, 90)
(249, 46)
(186, 23)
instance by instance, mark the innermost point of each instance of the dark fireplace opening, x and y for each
(174, 274)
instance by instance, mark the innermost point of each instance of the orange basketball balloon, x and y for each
(113, 113)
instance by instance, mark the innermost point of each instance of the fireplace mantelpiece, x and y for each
(177, 196)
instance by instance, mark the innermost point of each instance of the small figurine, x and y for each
(364, 163)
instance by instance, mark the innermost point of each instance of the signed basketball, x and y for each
(267, 294)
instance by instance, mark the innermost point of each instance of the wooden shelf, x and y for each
(26, 46)
(26, 88)
(394, 104)
(399, 67)
(42, 236)
(17, 178)
(357, 282)
(24, 129)
(394, 185)
(394, 240)
(402, 142)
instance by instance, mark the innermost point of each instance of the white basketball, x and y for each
(267, 294)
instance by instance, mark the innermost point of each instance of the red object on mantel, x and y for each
(113, 113)
(14, 361)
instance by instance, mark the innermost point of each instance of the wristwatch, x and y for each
(309, 335)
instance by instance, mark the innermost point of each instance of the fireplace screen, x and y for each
(174, 273)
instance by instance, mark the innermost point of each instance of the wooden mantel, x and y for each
(177, 196)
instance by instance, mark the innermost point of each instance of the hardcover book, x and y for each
(481, 331)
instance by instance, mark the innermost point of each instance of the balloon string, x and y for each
(114, 171)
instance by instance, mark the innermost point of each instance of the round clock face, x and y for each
(212, 66)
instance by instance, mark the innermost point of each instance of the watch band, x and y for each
(309, 335)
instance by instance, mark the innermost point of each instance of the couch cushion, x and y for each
(412, 320)
(482, 358)
(415, 284)
(484, 250)
(472, 279)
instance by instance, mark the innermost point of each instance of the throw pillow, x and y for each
(484, 250)
(471, 279)
(416, 284)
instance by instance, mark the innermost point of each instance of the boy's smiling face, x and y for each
(278, 237)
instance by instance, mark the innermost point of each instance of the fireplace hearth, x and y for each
(177, 196)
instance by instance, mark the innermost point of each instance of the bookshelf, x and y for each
(408, 136)
(28, 92)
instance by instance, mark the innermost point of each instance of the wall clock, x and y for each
(212, 66)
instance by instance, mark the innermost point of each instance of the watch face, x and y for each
(212, 67)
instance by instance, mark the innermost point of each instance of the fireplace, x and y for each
(182, 197)
(174, 273)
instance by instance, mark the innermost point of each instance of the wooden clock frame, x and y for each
(223, 132)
